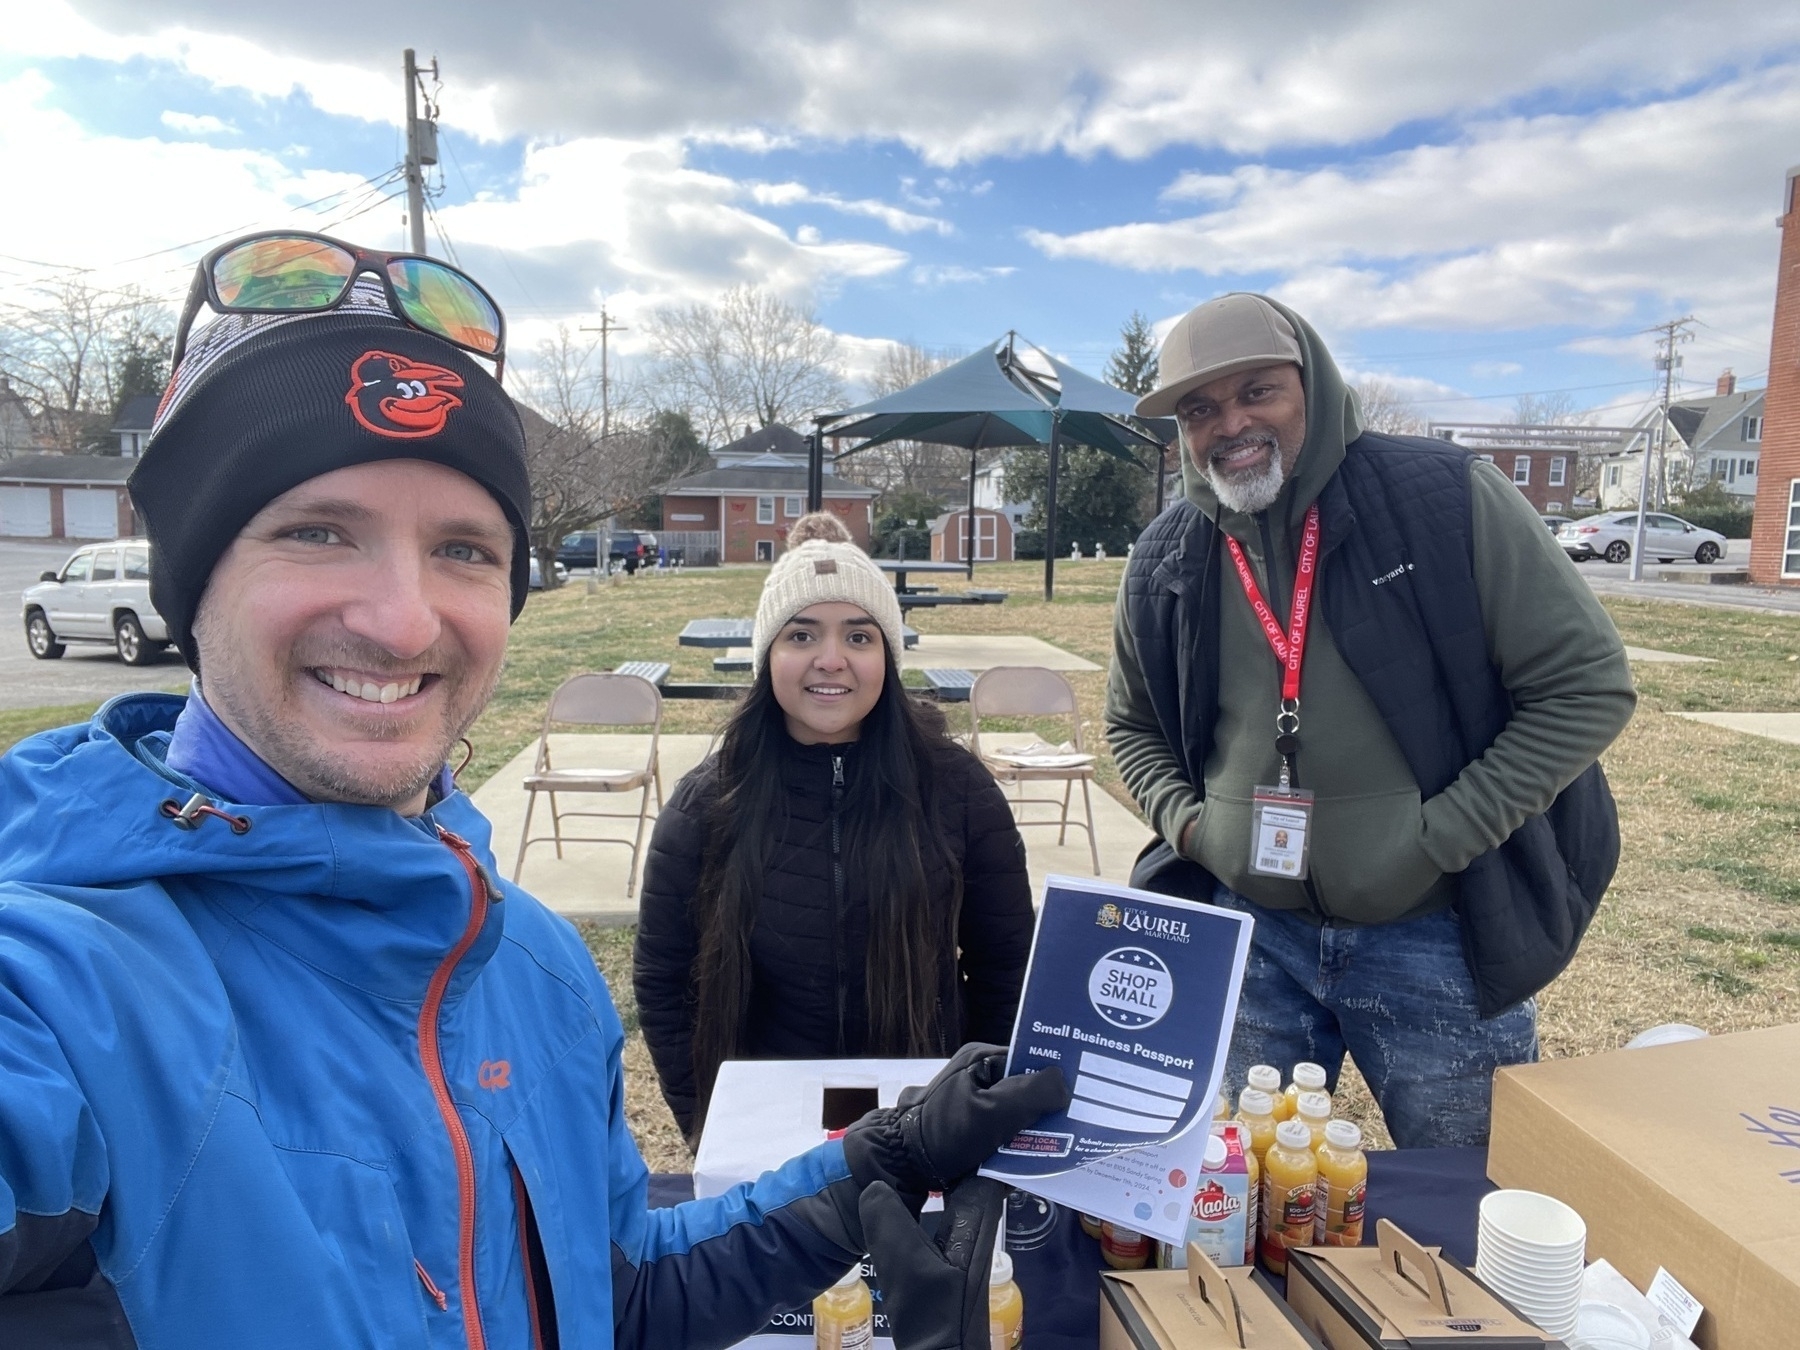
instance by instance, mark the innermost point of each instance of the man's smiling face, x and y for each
(356, 628)
(1245, 432)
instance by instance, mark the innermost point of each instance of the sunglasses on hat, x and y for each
(292, 272)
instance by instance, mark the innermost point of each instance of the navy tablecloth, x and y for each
(1432, 1193)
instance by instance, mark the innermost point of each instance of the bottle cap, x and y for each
(1265, 1078)
(1216, 1153)
(1255, 1102)
(1002, 1270)
(1314, 1105)
(1345, 1134)
(852, 1277)
(1293, 1134)
(1309, 1077)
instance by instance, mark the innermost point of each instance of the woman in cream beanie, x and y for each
(841, 879)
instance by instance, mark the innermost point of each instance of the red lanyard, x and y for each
(1289, 646)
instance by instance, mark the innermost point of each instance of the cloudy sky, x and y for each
(1470, 199)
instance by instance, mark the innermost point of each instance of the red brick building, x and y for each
(1546, 477)
(741, 509)
(1775, 531)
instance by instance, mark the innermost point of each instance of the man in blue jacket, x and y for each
(282, 1064)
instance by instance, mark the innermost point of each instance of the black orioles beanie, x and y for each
(263, 403)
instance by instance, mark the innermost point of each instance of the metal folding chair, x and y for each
(596, 700)
(1032, 691)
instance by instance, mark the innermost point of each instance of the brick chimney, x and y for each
(1778, 476)
(1727, 383)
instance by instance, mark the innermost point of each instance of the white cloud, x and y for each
(1517, 222)
(1492, 370)
(948, 274)
(196, 124)
(896, 219)
(1191, 186)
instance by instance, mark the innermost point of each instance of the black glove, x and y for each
(940, 1133)
(935, 1290)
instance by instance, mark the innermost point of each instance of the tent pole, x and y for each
(1050, 510)
(815, 469)
(969, 524)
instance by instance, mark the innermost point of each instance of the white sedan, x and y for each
(1613, 534)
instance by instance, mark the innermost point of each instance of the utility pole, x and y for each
(605, 329)
(421, 148)
(1673, 334)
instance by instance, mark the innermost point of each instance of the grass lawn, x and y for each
(1702, 923)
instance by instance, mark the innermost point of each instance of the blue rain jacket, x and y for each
(326, 1082)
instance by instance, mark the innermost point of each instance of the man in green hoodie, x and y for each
(1360, 693)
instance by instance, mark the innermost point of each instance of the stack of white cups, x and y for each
(1530, 1249)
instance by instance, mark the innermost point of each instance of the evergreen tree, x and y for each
(1133, 366)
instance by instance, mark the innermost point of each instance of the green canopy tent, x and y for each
(990, 400)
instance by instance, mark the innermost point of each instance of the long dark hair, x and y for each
(893, 842)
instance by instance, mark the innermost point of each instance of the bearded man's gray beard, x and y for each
(1252, 492)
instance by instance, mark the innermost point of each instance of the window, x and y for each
(137, 564)
(78, 567)
(106, 566)
(1521, 469)
(765, 548)
(1750, 429)
(1612, 475)
(765, 510)
(1790, 557)
(1559, 468)
(1747, 467)
(792, 507)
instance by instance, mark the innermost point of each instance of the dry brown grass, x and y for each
(1702, 923)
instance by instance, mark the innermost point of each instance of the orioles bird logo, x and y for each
(401, 397)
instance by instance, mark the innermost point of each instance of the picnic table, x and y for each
(901, 566)
(739, 633)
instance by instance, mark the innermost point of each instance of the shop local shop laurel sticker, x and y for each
(1130, 987)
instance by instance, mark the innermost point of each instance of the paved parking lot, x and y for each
(87, 674)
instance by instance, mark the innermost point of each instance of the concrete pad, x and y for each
(961, 651)
(1774, 726)
(1669, 658)
(588, 882)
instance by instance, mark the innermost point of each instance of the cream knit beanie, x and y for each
(823, 564)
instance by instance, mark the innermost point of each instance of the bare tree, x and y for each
(752, 358)
(1554, 409)
(1385, 408)
(580, 472)
(63, 351)
(909, 467)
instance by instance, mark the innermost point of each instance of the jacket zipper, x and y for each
(837, 893)
(522, 1202)
(431, 1058)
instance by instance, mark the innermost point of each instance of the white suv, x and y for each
(101, 595)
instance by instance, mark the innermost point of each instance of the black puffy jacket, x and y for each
(809, 941)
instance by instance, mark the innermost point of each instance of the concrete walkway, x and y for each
(1773, 726)
(1668, 658)
(589, 881)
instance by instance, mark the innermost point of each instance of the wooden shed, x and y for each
(993, 536)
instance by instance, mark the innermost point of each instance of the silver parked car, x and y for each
(1612, 534)
(101, 595)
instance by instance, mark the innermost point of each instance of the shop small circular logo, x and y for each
(1130, 987)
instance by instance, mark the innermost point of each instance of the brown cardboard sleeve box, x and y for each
(1685, 1156)
(1401, 1296)
(1200, 1308)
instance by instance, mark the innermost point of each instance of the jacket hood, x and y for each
(379, 896)
(1333, 420)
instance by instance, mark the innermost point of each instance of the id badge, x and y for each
(1280, 831)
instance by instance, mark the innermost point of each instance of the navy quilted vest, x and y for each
(1397, 591)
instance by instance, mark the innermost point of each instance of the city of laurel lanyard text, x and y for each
(1290, 646)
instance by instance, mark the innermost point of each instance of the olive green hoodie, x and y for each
(1378, 853)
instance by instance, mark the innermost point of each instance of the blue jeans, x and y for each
(1398, 997)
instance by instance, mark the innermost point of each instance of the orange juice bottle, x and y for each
(1343, 1184)
(1267, 1078)
(1089, 1225)
(1314, 1108)
(844, 1315)
(1308, 1077)
(1006, 1305)
(1289, 1179)
(1257, 1113)
(1222, 1106)
(1123, 1248)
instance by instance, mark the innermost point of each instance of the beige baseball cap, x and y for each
(1235, 332)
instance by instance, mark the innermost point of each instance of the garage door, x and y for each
(25, 512)
(90, 513)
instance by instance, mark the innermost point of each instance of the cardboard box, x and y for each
(1685, 1156)
(1200, 1308)
(1398, 1295)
